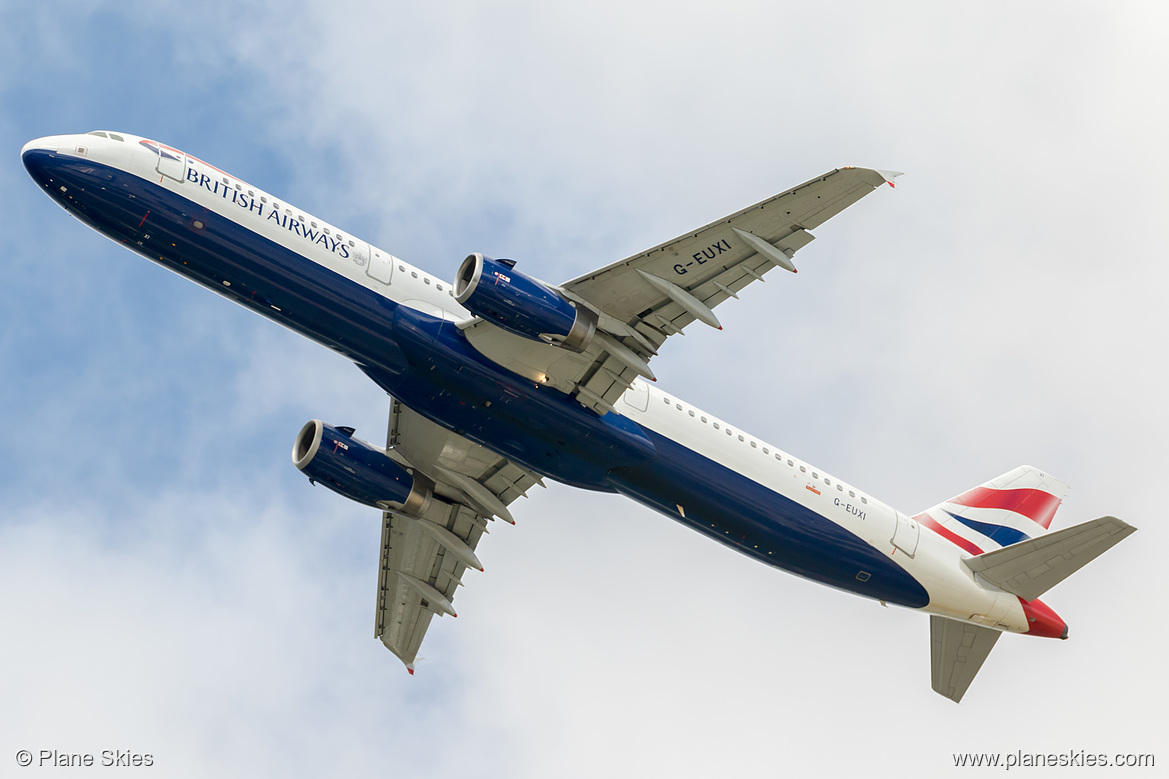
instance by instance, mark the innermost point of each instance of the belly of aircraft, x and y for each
(761, 523)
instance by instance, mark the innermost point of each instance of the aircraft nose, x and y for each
(48, 144)
(37, 153)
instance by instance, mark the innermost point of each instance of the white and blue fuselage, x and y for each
(399, 325)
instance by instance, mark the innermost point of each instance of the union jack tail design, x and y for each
(1014, 507)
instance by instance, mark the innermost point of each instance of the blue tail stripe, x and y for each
(1001, 534)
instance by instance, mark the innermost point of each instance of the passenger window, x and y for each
(729, 431)
(789, 462)
(716, 426)
(828, 482)
(764, 449)
(815, 475)
(803, 469)
(704, 420)
(851, 494)
(839, 487)
(426, 281)
(754, 445)
(414, 274)
(742, 439)
(691, 413)
(864, 499)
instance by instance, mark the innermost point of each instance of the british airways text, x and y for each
(254, 205)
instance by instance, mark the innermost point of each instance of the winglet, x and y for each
(889, 175)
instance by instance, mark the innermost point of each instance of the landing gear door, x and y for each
(906, 533)
(172, 163)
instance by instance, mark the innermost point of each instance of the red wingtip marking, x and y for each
(892, 185)
(480, 570)
(411, 670)
(720, 327)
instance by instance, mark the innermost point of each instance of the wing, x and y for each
(641, 301)
(424, 552)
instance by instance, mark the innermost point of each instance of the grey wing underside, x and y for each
(425, 554)
(644, 299)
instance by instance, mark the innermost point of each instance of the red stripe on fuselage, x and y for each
(933, 525)
(1037, 505)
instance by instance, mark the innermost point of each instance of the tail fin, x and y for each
(1014, 507)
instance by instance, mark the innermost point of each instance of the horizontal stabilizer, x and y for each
(957, 651)
(1030, 568)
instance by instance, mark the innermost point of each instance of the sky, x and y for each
(171, 585)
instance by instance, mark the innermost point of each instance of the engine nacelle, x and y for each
(359, 471)
(497, 292)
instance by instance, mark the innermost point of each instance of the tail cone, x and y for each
(1042, 621)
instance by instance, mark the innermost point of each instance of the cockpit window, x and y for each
(117, 137)
(98, 133)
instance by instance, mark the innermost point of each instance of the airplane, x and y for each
(498, 381)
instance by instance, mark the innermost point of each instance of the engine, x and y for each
(360, 471)
(497, 292)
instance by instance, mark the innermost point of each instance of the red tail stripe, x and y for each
(933, 525)
(1037, 505)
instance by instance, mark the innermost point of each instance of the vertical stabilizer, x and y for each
(1014, 507)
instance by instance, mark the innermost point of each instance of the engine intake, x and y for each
(497, 292)
(358, 470)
